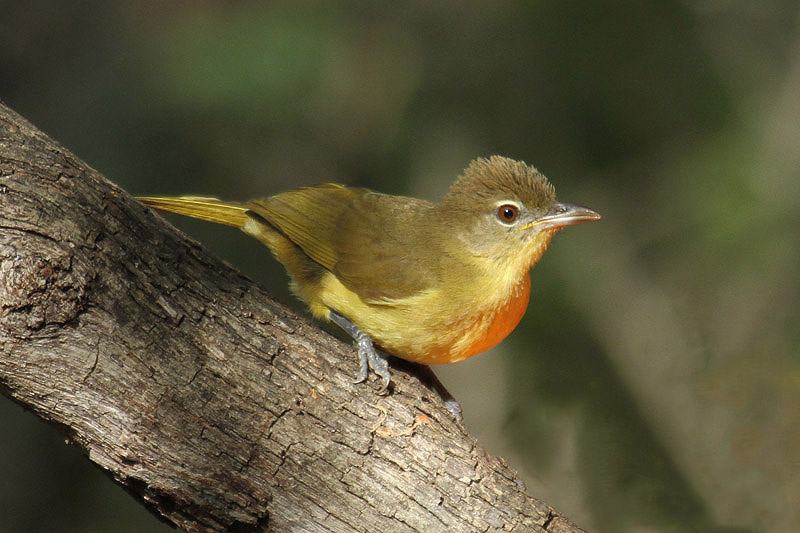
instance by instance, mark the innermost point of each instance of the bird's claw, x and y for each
(370, 359)
(455, 409)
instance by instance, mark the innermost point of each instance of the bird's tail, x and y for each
(211, 209)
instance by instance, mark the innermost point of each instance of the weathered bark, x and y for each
(215, 406)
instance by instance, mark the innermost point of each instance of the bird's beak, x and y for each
(561, 215)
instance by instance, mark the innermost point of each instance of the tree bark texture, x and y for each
(216, 407)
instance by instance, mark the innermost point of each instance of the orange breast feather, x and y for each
(501, 321)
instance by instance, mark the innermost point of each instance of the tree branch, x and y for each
(212, 404)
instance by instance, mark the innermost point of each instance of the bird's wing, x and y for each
(369, 241)
(309, 217)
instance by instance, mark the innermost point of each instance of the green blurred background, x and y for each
(654, 384)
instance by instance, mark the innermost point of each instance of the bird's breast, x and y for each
(481, 327)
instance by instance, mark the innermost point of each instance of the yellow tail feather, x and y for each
(211, 209)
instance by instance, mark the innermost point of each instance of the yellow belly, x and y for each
(427, 328)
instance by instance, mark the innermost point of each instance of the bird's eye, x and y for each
(507, 213)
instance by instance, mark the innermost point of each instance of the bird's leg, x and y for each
(427, 375)
(368, 357)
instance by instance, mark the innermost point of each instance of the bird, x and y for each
(428, 282)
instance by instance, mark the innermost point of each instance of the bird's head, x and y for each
(506, 211)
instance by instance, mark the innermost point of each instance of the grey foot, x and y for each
(455, 409)
(368, 357)
(428, 377)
